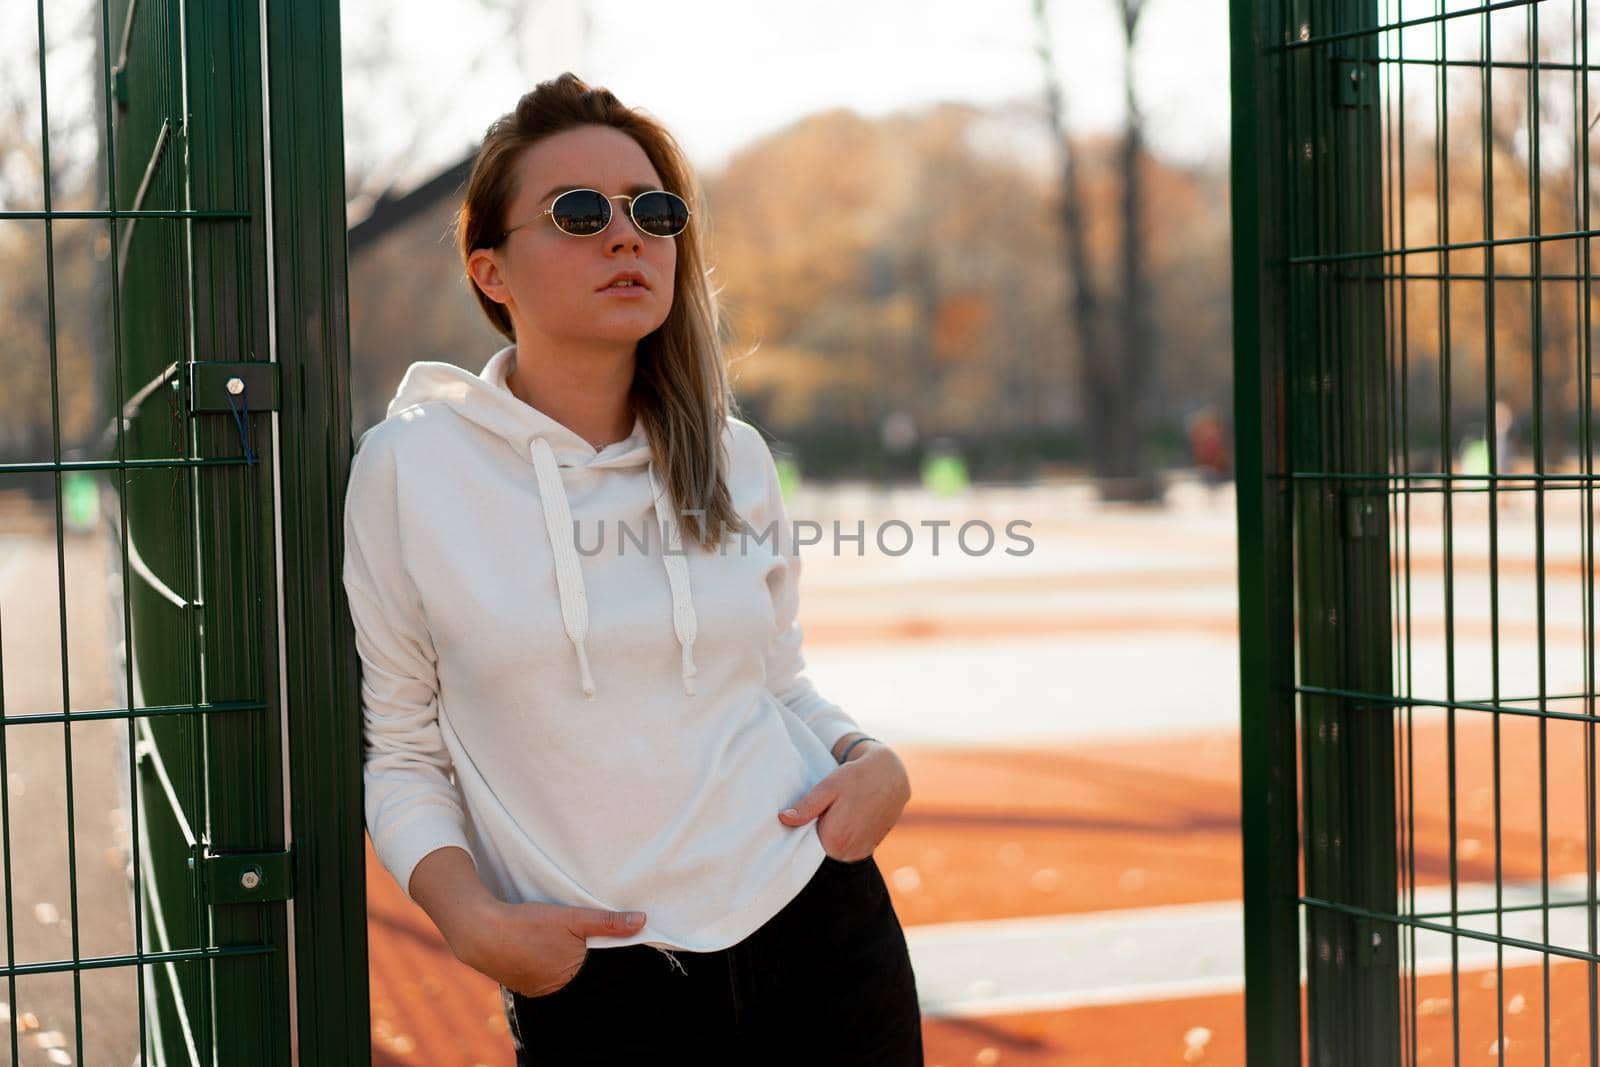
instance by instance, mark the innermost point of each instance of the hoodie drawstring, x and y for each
(569, 574)
(684, 621)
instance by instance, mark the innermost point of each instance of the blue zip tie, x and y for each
(244, 436)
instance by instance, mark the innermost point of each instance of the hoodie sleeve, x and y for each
(412, 805)
(785, 665)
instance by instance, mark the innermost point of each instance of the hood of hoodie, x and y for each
(550, 447)
(485, 399)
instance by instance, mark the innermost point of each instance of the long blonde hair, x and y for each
(680, 385)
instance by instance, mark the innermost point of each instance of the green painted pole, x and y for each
(1266, 652)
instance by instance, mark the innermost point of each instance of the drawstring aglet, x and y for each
(585, 678)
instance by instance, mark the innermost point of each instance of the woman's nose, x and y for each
(621, 232)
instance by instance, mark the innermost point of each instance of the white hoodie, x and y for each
(623, 725)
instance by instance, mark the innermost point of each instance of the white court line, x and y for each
(1055, 963)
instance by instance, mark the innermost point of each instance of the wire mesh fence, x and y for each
(131, 647)
(1417, 531)
(177, 861)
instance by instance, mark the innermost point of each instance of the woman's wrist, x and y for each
(446, 886)
(855, 746)
(468, 924)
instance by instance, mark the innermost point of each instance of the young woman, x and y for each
(593, 756)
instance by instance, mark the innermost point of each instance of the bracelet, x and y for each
(846, 753)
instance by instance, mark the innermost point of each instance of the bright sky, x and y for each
(718, 72)
(722, 72)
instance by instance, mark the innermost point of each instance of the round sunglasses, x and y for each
(587, 212)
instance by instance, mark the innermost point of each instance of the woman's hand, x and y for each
(533, 949)
(857, 804)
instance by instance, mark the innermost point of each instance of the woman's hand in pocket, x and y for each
(857, 804)
(535, 949)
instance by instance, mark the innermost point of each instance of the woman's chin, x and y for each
(621, 332)
(628, 323)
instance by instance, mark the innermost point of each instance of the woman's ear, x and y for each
(484, 267)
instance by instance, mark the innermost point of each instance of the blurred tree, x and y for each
(1117, 377)
(50, 267)
(932, 282)
(1465, 342)
(1099, 374)
(1131, 475)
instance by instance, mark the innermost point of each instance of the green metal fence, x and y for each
(201, 510)
(1413, 299)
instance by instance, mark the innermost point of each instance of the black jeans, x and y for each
(826, 981)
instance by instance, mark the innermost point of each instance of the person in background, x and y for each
(1208, 447)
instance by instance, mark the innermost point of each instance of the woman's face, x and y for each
(554, 284)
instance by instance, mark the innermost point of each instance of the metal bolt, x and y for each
(251, 878)
(235, 386)
(1377, 939)
(1355, 77)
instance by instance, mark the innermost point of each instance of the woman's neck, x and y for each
(595, 406)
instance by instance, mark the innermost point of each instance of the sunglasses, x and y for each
(587, 212)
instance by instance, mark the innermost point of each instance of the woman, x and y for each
(575, 589)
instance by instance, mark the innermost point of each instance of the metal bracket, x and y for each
(1354, 82)
(246, 877)
(213, 384)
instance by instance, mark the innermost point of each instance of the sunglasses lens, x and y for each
(581, 212)
(660, 213)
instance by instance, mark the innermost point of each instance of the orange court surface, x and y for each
(1119, 826)
(993, 834)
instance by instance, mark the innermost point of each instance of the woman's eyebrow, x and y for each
(633, 190)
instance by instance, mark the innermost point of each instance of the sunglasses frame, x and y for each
(620, 196)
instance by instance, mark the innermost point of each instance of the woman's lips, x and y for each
(624, 292)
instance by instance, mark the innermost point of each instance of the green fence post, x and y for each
(1339, 361)
(1312, 405)
(1268, 772)
(306, 111)
(250, 866)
